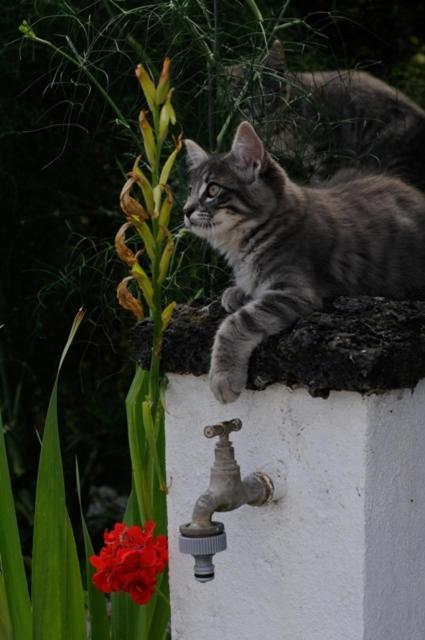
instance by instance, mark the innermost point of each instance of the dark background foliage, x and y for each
(63, 156)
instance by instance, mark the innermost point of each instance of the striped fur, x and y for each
(292, 247)
(322, 121)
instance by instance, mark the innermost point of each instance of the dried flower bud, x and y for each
(127, 300)
(130, 206)
(124, 253)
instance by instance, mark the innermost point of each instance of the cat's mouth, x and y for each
(199, 224)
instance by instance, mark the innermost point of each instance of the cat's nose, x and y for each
(188, 210)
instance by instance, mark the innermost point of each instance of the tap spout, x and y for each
(227, 493)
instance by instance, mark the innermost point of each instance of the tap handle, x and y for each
(223, 429)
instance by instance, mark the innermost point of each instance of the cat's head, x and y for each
(231, 191)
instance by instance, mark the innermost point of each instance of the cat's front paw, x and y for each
(233, 298)
(227, 385)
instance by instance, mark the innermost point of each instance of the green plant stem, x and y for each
(155, 168)
(156, 312)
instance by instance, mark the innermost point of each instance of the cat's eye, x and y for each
(213, 190)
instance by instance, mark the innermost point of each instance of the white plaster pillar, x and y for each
(342, 557)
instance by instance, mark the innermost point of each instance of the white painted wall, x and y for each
(395, 517)
(342, 556)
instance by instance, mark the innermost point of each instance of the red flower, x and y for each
(130, 561)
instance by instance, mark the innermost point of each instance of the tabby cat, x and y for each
(292, 247)
(327, 120)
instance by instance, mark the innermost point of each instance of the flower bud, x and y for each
(167, 313)
(164, 120)
(147, 85)
(164, 214)
(157, 197)
(165, 259)
(144, 283)
(164, 81)
(169, 107)
(147, 238)
(26, 30)
(143, 183)
(169, 162)
(148, 137)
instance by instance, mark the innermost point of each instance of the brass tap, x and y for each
(202, 537)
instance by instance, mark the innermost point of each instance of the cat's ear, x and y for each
(195, 154)
(248, 151)
(275, 58)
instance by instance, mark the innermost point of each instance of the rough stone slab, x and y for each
(355, 344)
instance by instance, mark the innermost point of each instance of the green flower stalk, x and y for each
(147, 200)
(151, 217)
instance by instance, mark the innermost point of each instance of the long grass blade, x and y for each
(12, 564)
(255, 10)
(57, 592)
(6, 632)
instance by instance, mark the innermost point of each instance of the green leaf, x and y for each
(12, 565)
(158, 629)
(160, 490)
(127, 618)
(57, 593)
(151, 436)
(97, 602)
(5, 623)
(137, 442)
